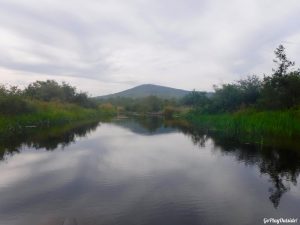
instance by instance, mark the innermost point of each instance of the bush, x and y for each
(51, 90)
(14, 105)
(169, 112)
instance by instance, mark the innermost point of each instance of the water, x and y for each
(143, 172)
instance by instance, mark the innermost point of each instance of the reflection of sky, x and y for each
(116, 176)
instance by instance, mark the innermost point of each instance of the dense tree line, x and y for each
(144, 105)
(51, 90)
(16, 101)
(280, 90)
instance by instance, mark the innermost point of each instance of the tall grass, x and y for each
(50, 113)
(251, 123)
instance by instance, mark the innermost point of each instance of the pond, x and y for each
(143, 171)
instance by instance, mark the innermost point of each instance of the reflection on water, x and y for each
(49, 138)
(146, 126)
(281, 165)
(143, 171)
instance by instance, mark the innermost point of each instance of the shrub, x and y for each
(15, 105)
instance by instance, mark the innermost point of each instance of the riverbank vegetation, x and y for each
(253, 124)
(253, 106)
(45, 103)
(278, 91)
(141, 106)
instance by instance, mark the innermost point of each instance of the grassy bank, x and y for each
(251, 123)
(48, 114)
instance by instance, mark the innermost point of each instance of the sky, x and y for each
(105, 46)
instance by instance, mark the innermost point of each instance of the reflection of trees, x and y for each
(150, 123)
(197, 137)
(281, 165)
(283, 169)
(48, 138)
(145, 125)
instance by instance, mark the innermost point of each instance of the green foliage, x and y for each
(108, 109)
(250, 89)
(45, 90)
(169, 112)
(145, 105)
(195, 98)
(227, 98)
(12, 103)
(283, 64)
(231, 97)
(51, 113)
(50, 90)
(252, 108)
(253, 123)
(150, 104)
(280, 90)
(45, 103)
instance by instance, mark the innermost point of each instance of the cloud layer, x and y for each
(104, 46)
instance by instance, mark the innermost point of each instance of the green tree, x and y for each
(196, 99)
(51, 90)
(283, 64)
(12, 101)
(281, 90)
(44, 90)
(227, 98)
(250, 90)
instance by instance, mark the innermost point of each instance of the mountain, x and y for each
(147, 90)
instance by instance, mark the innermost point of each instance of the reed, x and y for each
(254, 123)
(50, 113)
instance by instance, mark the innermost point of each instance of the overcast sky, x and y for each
(104, 46)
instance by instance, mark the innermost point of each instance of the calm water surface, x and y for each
(143, 172)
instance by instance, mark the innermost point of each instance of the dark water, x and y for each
(143, 172)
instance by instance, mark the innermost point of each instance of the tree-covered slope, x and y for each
(145, 90)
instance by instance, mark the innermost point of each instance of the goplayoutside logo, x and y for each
(281, 220)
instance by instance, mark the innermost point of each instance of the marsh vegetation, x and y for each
(45, 103)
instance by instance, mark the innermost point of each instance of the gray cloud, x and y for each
(106, 46)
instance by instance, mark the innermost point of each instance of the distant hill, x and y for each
(145, 90)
